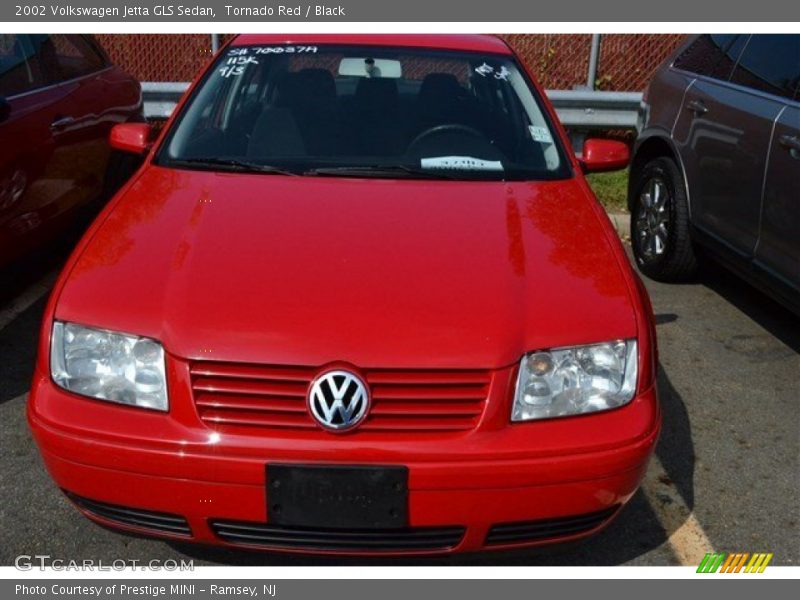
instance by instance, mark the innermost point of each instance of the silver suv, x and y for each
(716, 167)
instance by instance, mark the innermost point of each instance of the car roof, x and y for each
(473, 43)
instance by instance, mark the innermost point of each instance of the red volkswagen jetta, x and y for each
(358, 299)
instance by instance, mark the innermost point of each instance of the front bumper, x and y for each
(546, 482)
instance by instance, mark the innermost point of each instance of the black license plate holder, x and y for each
(337, 496)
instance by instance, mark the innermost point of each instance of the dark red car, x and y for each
(358, 299)
(59, 98)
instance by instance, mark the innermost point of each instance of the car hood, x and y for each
(378, 273)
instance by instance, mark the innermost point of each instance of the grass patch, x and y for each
(611, 190)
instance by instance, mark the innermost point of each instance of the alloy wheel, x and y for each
(652, 219)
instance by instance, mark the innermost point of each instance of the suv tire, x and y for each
(660, 236)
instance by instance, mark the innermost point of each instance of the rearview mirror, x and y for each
(604, 155)
(371, 67)
(131, 137)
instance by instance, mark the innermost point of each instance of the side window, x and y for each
(712, 55)
(65, 57)
(770, 63)
(20, 70)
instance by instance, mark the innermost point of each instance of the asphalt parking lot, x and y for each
(726, 475)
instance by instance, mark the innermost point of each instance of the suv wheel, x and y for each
(660, 236)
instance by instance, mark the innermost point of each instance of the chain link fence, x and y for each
(560, 61)
(627, 62)
(158, 57)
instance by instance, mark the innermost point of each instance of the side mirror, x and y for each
(604, 155)
(131, 137)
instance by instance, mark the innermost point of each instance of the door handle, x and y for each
(697, 107)
(61, 122)
(791, 143)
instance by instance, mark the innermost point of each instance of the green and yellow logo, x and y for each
(720, 562)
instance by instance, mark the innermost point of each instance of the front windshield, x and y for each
(366, 111)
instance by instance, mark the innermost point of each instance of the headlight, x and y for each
(109, 366)
(571, 381)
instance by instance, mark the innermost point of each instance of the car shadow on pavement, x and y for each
(19, 338)
(778, 320)
(18, 345)
(48, 258)
(675, 448)
(635, 532)
(31, 268)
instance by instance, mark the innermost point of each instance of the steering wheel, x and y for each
(446, 128)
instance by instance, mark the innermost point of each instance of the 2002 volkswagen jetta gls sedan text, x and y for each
(359, 298)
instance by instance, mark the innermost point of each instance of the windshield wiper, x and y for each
(379, 171)
(232, 164)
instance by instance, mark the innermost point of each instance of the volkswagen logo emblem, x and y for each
(338, 400)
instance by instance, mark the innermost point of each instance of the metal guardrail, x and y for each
(591, 110)
(579, 110)
(160, 98)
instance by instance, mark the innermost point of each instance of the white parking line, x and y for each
(686, 537)
(30, 295)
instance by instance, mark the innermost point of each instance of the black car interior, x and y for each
(309, 112)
